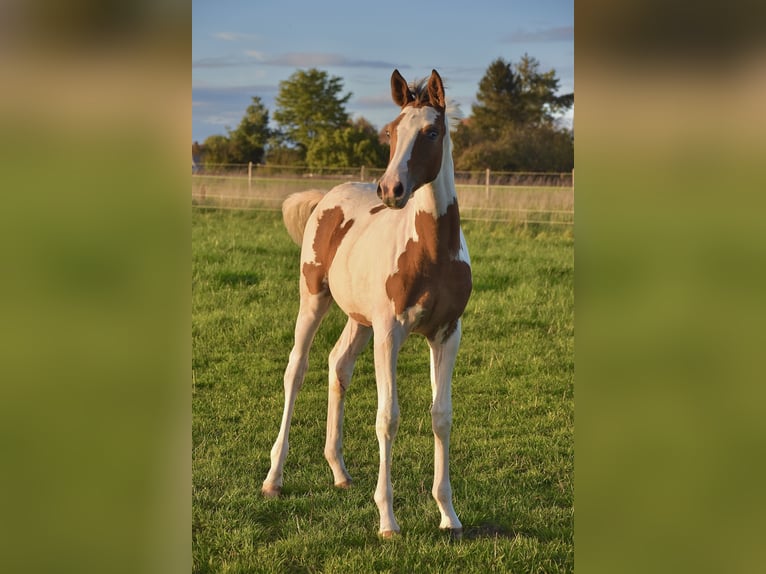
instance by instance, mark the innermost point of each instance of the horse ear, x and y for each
(400, 91)
(436, 90)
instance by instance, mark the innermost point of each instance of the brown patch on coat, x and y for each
(425, 162)
(361, 319)
(430, 275)
(330, 232)
(377, 208)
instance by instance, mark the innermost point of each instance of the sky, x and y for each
(242, 49)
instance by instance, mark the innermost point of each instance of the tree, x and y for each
(245, 144)
(518, 94)
(308, 105)
(248, 141)
(280, 154)
(513, 125)
(538, 93)
(355, 145)
(531, 148)
(216, 149)
(498, 97)
(197, 152)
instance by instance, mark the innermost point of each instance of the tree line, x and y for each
(512, 127)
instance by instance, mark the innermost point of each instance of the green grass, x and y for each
(512, 444)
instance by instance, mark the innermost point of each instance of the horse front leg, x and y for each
(443, 355)
(352, 341)
(312, 310)
(387, 345)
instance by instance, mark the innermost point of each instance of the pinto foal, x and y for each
(394, 258)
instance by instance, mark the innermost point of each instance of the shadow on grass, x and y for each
(488, 530)
(491, 530)
(237, 278)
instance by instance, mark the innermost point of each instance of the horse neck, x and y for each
(436, 197)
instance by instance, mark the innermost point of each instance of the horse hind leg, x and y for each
(342, 358)
(312, 310)
(443, 355)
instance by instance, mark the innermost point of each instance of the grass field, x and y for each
(512, 447)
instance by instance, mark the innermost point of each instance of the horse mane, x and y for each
(419, 89)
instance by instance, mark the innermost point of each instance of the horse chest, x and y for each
(430, 278)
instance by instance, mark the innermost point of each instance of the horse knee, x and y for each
(441, 422)
(387, 423)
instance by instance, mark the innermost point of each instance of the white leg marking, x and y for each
(312, 310)
(387, 345)
(352, 341)
(442, 363)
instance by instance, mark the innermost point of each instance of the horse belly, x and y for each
(357, 281)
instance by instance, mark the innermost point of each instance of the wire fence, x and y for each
(525, 198)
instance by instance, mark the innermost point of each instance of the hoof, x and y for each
(344, 485)
(388, 534)
(271, 491)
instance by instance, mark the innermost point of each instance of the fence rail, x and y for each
(527, 198)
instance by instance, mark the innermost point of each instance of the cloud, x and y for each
(234, 36)
(553, 34)
(314, 59)
(221, 62)
(379, 101)
(291, 59)
(203, 93)
(260, 56)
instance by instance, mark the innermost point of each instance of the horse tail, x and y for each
(296, 209)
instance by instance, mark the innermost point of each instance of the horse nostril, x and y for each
(398, 190)
(380, 192)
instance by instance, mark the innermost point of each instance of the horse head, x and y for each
(417, 138)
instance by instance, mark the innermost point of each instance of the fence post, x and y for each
(249, 175)
(361, 174)
(486, 184)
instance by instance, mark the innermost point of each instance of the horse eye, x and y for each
(388, 133)
(432, 134)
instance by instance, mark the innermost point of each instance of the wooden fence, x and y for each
(527, 198)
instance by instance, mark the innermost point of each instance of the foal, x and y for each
(394, 258)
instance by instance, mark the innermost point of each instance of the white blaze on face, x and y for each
(404, 136)
(412, 121)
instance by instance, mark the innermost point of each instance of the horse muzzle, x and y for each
(393, 195)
